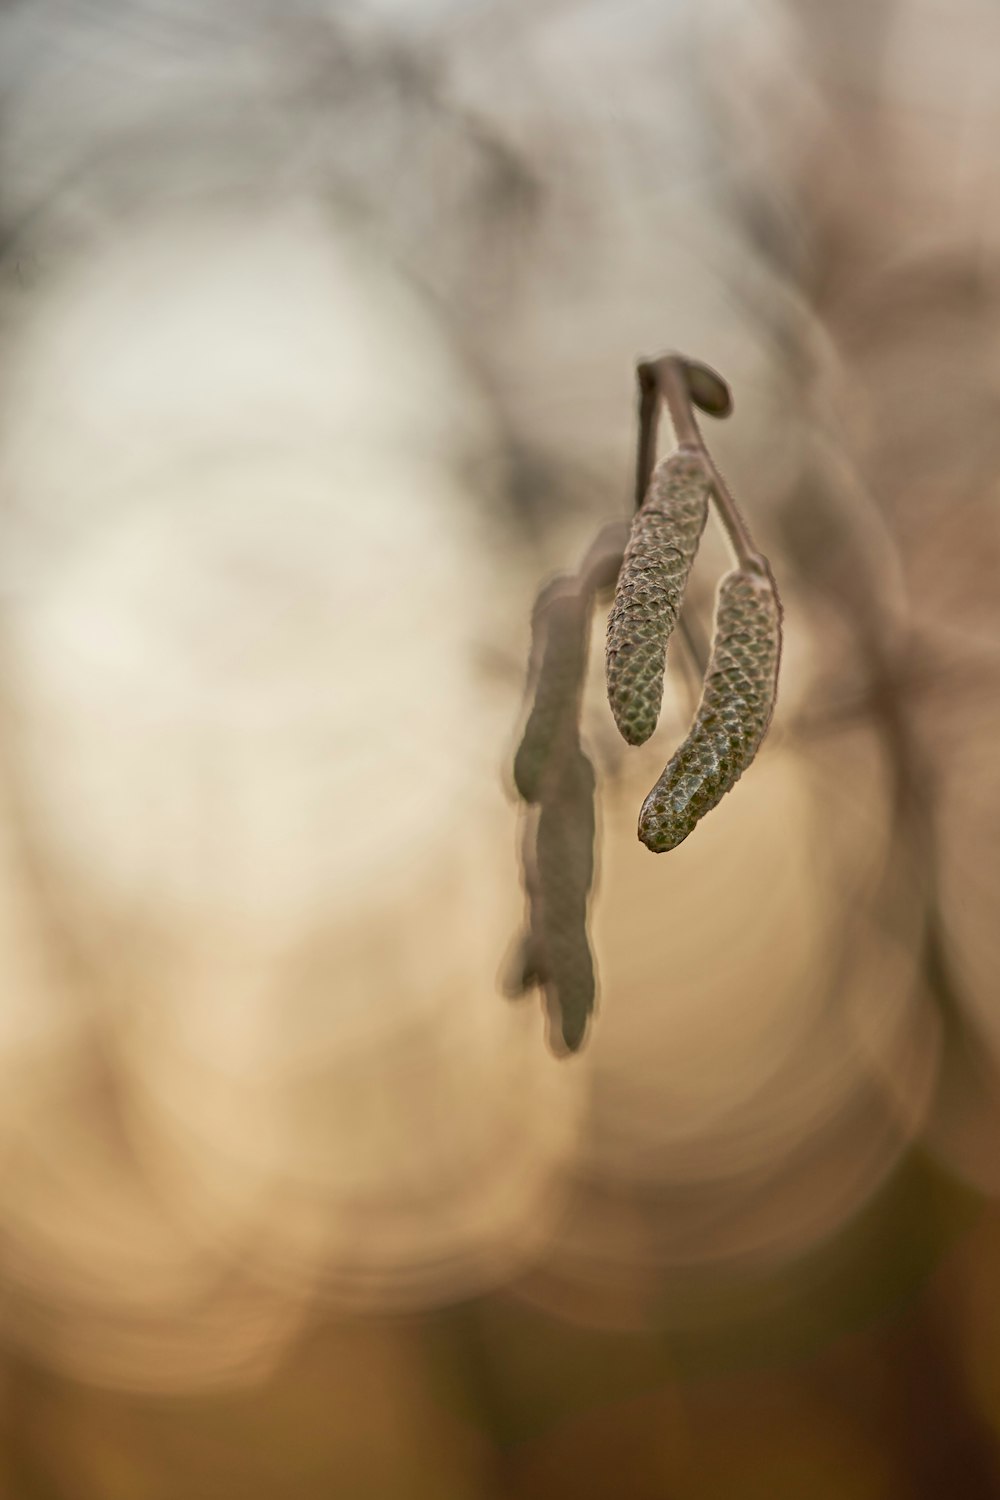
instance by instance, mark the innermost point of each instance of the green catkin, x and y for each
(732, 717)
(665, 536)
(564, 872)
(559, 656)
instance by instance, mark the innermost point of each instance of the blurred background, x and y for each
(318, 333)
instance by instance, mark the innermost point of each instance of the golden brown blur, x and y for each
(318, 326)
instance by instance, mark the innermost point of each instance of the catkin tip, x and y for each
(634, 733)
(574, 1030)
(659, 836)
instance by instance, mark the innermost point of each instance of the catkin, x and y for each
(665, 536)
(559, 658)
(552, 769)
(564, 871)
(732, 717)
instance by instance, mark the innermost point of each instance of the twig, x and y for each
(681, 382)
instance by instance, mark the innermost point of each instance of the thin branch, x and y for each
(677, 380)
(649, 421)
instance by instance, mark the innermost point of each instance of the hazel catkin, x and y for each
(732, 718)
(552, 770)
(564, 872)
(665, 535)
(559, 657)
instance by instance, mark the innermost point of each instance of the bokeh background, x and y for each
(317, 331)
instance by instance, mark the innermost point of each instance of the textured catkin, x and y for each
(665, 536)
(564, 871)
(732, 717)
(561, 628)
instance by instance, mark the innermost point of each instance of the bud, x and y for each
(707, 389)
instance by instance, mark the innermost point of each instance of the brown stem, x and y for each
(649, 421)
(669, 377)
(668, 372)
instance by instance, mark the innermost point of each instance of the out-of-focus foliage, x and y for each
(318, 332)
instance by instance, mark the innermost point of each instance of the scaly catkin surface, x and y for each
(733, 715)
(665, 536)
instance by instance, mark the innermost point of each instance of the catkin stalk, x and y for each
(665, 536)
(732, 717)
